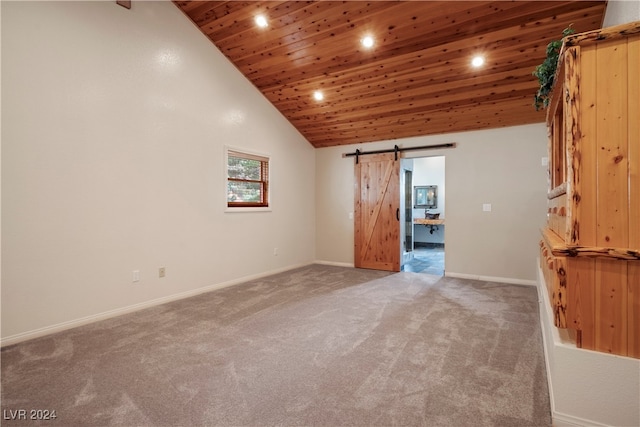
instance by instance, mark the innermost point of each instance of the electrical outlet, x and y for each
(161, 272)
(275, 251)
(136, 276)
(486, 207)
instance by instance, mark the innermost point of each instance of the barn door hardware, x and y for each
(397, 150)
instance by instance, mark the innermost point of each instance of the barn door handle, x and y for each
(398, 214)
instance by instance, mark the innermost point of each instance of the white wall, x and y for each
(621, 12)
(499, 166)
(114, 122)
(430, 171)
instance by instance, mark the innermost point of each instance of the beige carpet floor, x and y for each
(315, 346)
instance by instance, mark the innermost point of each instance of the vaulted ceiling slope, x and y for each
(416, 79)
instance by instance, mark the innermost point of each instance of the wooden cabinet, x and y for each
(590, 247)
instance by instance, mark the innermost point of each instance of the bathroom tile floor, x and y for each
(426, 260)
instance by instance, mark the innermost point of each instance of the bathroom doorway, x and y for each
(425, 215)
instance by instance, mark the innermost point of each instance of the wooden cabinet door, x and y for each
(377, 212)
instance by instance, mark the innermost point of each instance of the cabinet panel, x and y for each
(581, 299)
(612, 128)
(611, 306)
(586, 168)
(633, 52)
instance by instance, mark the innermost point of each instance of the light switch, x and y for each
(545, 161)
(486, 207)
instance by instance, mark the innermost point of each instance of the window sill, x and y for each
(247, 209)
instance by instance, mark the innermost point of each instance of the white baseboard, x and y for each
(563, 420)
(509, 280)
(336, 264)
(36, 333)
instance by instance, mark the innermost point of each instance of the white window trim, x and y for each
(225, 172)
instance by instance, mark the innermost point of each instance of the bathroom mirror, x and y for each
(426, 196)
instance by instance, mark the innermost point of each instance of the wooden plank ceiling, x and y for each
(415, 80)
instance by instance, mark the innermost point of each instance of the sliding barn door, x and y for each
(377, 212)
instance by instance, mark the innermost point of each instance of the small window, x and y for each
(247, 179)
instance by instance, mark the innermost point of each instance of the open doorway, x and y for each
(427, 216)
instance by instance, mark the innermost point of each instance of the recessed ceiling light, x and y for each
(318, 95)
(261, 21)
(477, 61)
(367, 41)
